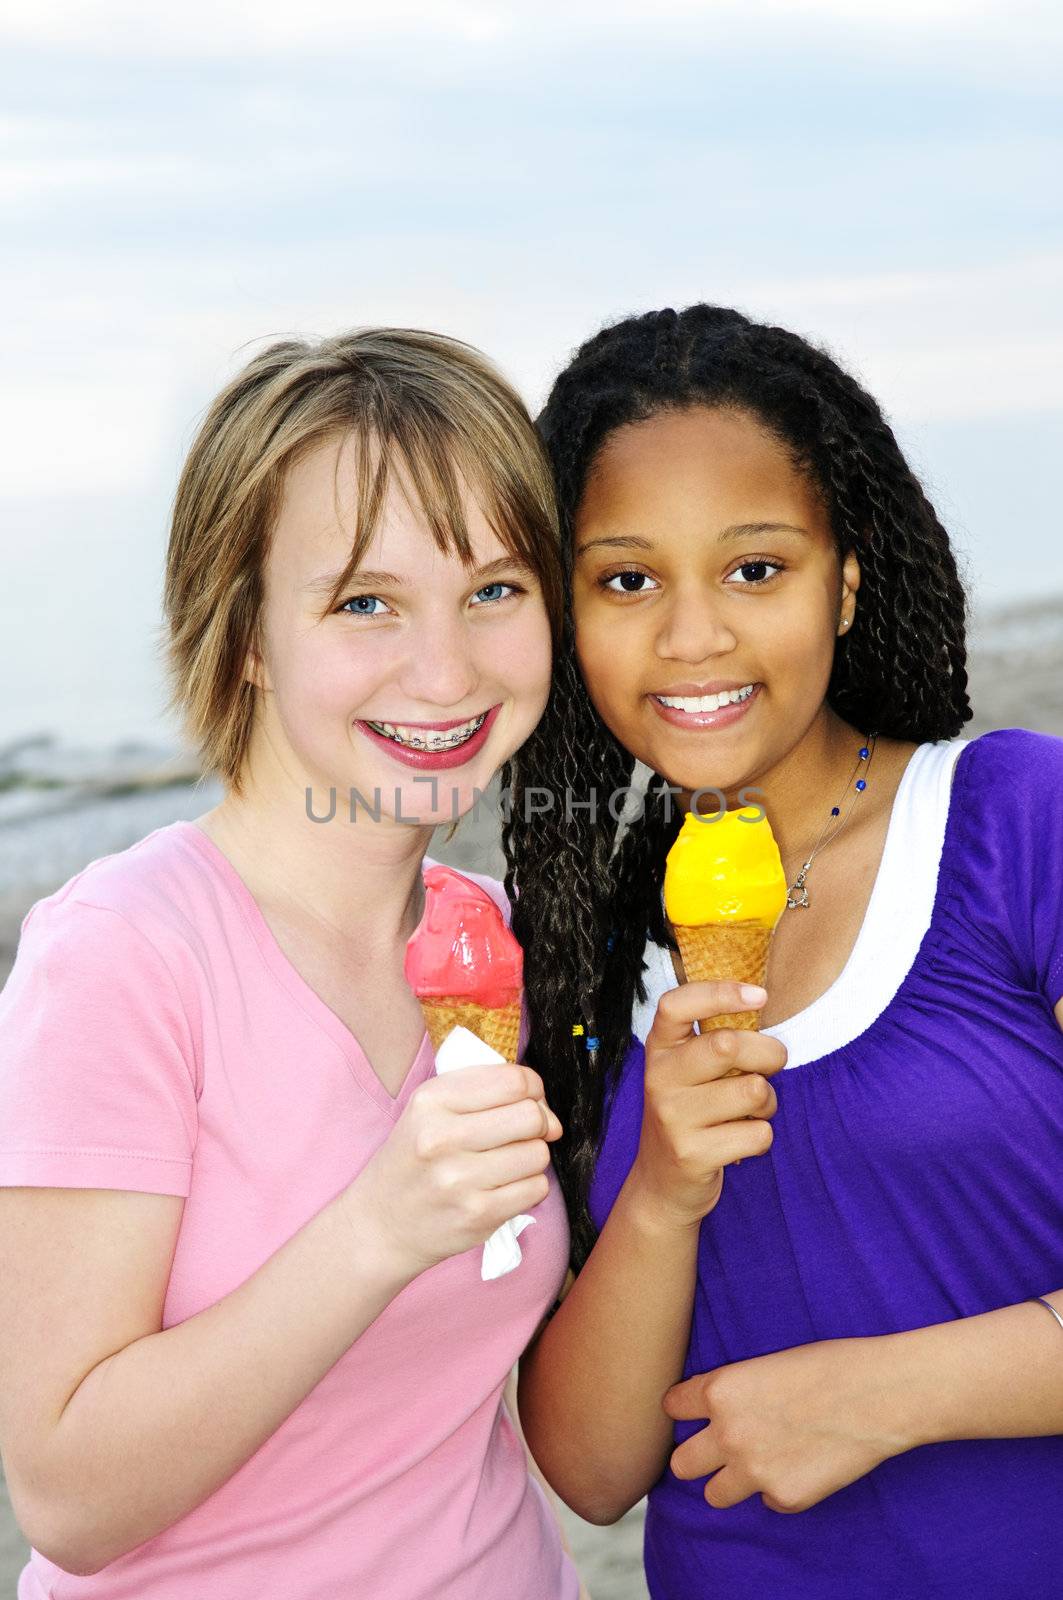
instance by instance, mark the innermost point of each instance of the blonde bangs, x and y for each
(431, 462)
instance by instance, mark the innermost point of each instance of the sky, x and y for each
(178, 184)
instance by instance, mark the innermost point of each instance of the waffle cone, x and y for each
(718, 950)
(497, 1026)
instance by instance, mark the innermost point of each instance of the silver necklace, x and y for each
(797, 895)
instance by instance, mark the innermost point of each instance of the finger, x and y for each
(480, 1088)
(729, 1099)
(787, 1510)
(678, 1009)
(686, 1402)
(501, 1125)
(712, 1055)
(728, 1488)
(513, 1163)
(729, 1142)
(697, 1456)
(513, 1198)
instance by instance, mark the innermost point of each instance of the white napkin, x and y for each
(462, 1048)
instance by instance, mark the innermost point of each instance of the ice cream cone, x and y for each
(464, 965)
(716, 950)
(497, 1026)
(724, 892)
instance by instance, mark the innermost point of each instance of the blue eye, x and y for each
(361, 604)
(371, 605)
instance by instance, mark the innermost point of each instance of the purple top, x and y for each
(915, 1177)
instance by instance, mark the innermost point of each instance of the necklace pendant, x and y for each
(797, 895)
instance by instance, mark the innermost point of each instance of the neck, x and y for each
(357, 881)
(799, 789)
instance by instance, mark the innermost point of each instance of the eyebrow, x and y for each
(391, 580)
(737, 530)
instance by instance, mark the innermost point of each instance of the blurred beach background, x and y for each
(178, 186)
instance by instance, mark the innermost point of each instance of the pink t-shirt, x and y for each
(154, 1036)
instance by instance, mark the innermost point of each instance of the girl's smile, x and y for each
(697, 707)
(432, 746)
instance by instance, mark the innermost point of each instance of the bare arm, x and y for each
(591, 1387)
(513, 1408)
(153, 1428)
(113, 1428)
(998, 1375)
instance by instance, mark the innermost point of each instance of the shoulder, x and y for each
(1008, 793)
(1017, 762)
(100, 1041)
(1007, 796)
(492, 886)
(100, 982)
(1006, 826)
(137, 902)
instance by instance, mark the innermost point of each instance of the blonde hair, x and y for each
(429, 405)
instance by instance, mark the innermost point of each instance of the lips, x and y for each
(430, 736)
(704, 700)
(702, 721)
(427, 759)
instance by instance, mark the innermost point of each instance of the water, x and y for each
(80, 618)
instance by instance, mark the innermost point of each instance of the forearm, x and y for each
(994, 1376)
(155, 1429)
(591, 1387)
(513, 1407)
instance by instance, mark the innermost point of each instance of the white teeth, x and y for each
(706, 702)
(431, 739)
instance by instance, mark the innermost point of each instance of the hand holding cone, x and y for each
(466, 968)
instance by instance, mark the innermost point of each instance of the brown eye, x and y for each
(758, 568)
(630, 582)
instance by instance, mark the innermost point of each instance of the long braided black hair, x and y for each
(586, 891)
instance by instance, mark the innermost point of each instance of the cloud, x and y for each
(84, 432)
(106, 398)
(923, 341)
(212, 27)
(169, 210)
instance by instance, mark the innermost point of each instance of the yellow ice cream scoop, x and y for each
(725, 870)
(724, 891)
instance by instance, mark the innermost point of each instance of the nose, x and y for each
(691, 629)
(440, 670)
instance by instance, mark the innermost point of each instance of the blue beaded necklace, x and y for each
(797, 894)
